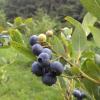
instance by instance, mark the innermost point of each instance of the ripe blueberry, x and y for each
(45, 69)
(49, 79)
(77, 93)
(33, 40)
(56, 67)
(42, 38)
(79, 98)
(37, 69)
(44, 59)
(48, 51)
(83, 95)
(37, 49)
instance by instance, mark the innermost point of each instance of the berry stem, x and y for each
(57, 58)
(78, 58)
(68, 62)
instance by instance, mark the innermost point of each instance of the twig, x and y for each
(68, 61)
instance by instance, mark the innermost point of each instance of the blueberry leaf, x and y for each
(23, 50)
(79, 41)
(93, 6)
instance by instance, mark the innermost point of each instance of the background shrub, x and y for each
(55, 8)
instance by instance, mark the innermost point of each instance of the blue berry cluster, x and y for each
(43, 66)
(78, 94)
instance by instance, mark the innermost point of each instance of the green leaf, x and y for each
(66, 31)
(93, 6)
(23, 50)
(78, 37)
(65, 43)
(96, 35)
(88, 20)
(64, 40)
(18, 21)
(57, 45)
(88, 54)
(16, 35)
(28, 21)
(75, 70)
(92, 89)
(91, 69)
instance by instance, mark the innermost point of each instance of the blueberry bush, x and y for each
(66, 62)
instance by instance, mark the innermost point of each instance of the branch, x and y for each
(89, 78)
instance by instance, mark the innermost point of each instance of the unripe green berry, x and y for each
(97, 59)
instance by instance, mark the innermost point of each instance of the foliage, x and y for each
(2, 4)
(2, 19)
(55, 8)
(40, 23)
(92, 6)
(77, 53)
(19, 49)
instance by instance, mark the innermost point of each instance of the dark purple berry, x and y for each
(37, 49)
(45, 69)
(48, 51)
(77, 93)
(56, 68)
(37, 69)
(79, 98)
(44, 59)
(83, 95)
(33, 40)
(49, 79)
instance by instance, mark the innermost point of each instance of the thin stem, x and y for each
(66, 76)
(71, 77)
(68, 61)
(89, 78)
(84, 76)
(78, 58)
(56, 58)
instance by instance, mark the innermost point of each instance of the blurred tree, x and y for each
(2, 19)
(2, 4)
(55, 8)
